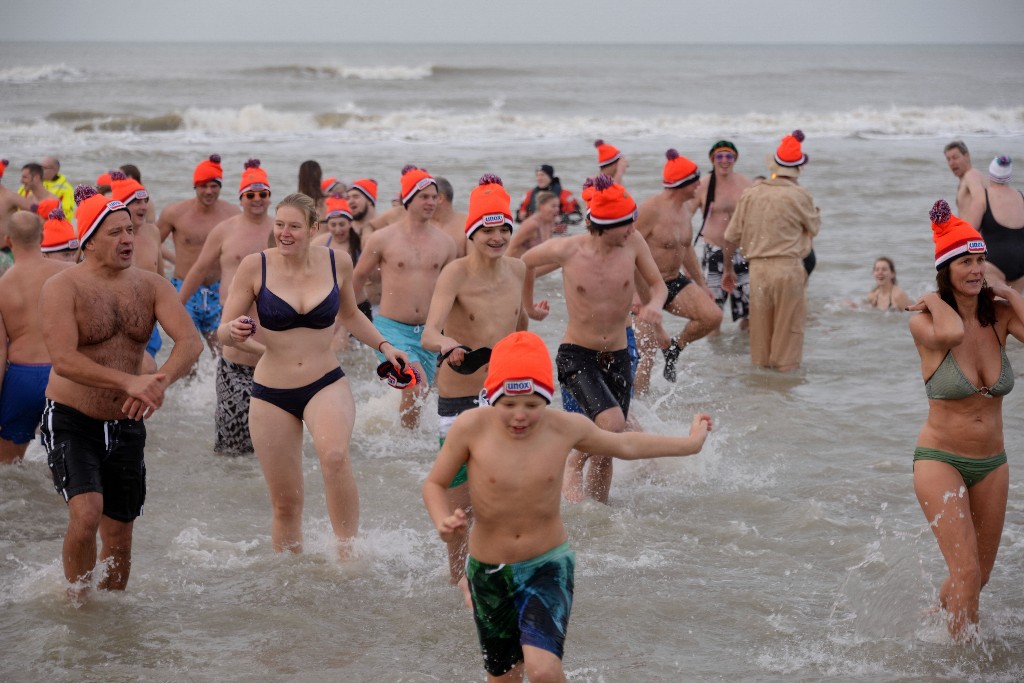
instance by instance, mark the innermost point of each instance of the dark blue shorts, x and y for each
(23, 400)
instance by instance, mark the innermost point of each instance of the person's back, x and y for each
(21, 285)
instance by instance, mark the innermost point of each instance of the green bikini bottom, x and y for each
(972, 470)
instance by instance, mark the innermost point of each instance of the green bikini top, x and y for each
(949, 383)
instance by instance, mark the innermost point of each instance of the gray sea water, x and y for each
(791, 549)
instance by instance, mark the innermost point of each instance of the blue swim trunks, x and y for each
(203, 306)
(155, 342)
(571, 405)
(407, 338)
(23, 400)
(524, 603)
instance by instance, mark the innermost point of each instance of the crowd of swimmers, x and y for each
(445, 299)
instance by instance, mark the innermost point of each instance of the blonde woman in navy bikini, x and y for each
(961, 477)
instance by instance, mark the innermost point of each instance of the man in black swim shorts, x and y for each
(97, 318)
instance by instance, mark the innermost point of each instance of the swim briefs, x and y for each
(524, 603)
(570, 405)
(675, 285)
(972, 470)
(155, 342)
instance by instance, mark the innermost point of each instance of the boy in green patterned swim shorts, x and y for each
(520, 567)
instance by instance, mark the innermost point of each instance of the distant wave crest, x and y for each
(35, 74)
(363, 73)
(496, 123)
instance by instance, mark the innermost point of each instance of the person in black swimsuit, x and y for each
(1002, 226)
(298, 379)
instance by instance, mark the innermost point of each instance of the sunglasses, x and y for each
(263, 194)
(725, 156)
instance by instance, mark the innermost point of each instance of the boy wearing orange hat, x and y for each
(96, 317)
(593, 361)
(773, 226)
(521, 569)
(229, 242)
(24, 360)
(665, 223)
(410, 255)
(188, 223)
(477, 302)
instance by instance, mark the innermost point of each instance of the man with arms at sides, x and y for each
(665, 224)
(593, 362)
(362, 200)
(228, 243)
(24, 362)
(718, 194)
(97, 317)
(410, 255)
(188, 223)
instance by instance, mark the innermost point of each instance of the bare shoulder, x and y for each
(515, 266)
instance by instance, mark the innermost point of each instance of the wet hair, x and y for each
(444, 187)
(543, 197)
(303, 203)
(892, 266)
(132, 171)
(986, 299)
(310, 176)
(956, 144)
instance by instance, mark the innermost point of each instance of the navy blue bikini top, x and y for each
(277, 315)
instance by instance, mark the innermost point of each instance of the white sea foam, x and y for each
(45, 73)
(421, 124)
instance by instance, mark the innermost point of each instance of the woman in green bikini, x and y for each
(960, 473)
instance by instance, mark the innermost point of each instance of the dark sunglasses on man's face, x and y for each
(263, 194)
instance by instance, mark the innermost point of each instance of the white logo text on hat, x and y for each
(424, 182)
(494, 219)
(515, 387)
(976, 246)
(115, 205)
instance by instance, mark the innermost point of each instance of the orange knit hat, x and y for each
(58, 233)
(606, 154)
(520, 364)
(253, 178)
(610, 206)
(338, 206)
(208, 170)
(789, 153)
(679, 171)
(93, 208)
(328, 185)
(103, 180)
(44, 207)
(413, 180)
(125, 189)
(368, 186)
(953, 237)
(588, 191)
(489, 205)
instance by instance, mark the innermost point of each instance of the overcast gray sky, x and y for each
(514, 21)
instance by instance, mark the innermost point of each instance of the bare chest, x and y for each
(123, 311)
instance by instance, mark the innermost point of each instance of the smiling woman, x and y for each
(961, 476)
(297, 379)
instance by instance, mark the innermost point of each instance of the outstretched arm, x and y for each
(640, 445)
